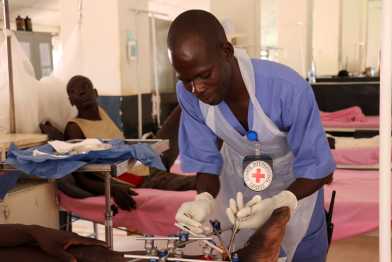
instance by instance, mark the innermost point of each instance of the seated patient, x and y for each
(93, 122)
(25, 243)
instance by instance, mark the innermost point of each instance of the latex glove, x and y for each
(192, 214)
(236, 205)
(257, 211)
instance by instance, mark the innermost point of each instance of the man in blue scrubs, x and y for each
(224, 96)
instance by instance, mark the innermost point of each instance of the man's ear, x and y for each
(96, 92)
(228, 49)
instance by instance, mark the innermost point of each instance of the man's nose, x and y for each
(198, 87)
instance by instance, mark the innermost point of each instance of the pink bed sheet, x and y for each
(351, 117)
(355, 212)
(346, 115)
(355, 156)
(155, 213)
(369, 122)
(356, 203)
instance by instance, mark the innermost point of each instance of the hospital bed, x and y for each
(350, 119)
(356, 206)
(370, 123)
(337, 79)
(37, 198)
(154, 214)
(356, 180)
(336, 96)
(109, 170)
(333, 96)
(145, 217)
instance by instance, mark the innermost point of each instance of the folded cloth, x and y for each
(49, 166)
(351, 114)
(82, 147)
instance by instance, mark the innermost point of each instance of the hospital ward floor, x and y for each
(359, 249)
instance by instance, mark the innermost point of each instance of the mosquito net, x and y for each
(38, 100)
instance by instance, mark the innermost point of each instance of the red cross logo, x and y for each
(258, 175)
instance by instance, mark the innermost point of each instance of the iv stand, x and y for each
(6, 13)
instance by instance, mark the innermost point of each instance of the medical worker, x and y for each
(259, 110)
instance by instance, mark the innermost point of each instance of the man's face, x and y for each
(82, 94)
(204, 73)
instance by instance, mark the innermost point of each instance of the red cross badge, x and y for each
(258, 175)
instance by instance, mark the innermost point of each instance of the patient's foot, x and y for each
(264, 245)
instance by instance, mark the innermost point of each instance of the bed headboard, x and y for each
(332, 96)
(347, 79)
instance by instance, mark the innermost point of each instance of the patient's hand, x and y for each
(52, 132)
(122, 195)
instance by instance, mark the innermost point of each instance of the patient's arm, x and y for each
(121, 193)
(73, 131)
(52, 132)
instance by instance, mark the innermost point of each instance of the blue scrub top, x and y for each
(286, 98)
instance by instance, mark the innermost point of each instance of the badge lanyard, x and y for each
(257, 168)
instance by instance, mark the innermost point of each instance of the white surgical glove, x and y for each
(238, 204)
(192, 214)
(257, 211)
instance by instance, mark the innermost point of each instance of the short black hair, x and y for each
(78, 80)
(197, 23)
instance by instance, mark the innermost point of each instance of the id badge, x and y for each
(257, 172)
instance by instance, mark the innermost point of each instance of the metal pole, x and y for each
(155, 258)
(157, 101)
(385, 135)
(139, 115)
(139, 94)
(6, 13)
(108, 213)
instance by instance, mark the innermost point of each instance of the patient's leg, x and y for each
(264, 245)
(25, 254)
(81, 253)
